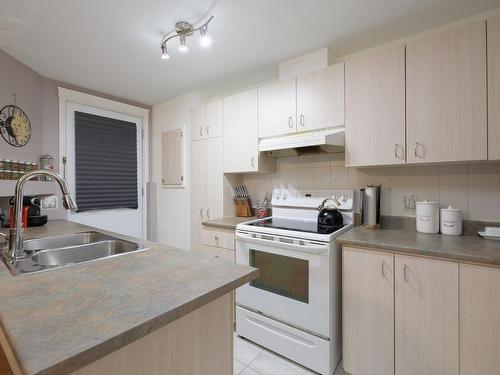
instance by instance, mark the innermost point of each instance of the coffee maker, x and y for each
(31, 212)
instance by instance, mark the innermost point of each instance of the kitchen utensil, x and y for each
(370, 206)
(329, 218)
(451, 221)
(427, 216)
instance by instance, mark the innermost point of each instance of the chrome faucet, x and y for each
(16, 250)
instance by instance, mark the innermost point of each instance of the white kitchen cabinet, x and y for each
(277, 109)
(207, 180)
(207, 120)
(446, 95)
(241, 152)
(426, 316)
(368, 311)
(320, 98)
(479, 320)
(493, 32)
(375, 106)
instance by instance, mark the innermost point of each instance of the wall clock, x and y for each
(15, 126)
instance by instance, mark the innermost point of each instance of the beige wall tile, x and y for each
(400, 184)
(306, 161)
(322, 160)
(453, 187)
(339, 177)
(287, 163)
(426, 183)
(306, 178)
(338, 159)
(288, 178)
(321, 177)
(484, 192)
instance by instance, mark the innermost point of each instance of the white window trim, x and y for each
(72, 96)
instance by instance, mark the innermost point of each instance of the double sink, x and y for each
(50, 253)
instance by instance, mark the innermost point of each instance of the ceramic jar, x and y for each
(427, 216)
(451, 221)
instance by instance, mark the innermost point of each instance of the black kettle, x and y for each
(329, 218)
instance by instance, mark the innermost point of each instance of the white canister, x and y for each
(451, 221)
(427, 217)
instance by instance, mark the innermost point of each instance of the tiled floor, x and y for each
(251, 359)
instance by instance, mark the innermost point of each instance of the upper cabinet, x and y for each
(277, 109)
(375, 105)
(314, 100)
(207, 120)
(241, 148)
(320, 98)
(494, 88)
(446, 95)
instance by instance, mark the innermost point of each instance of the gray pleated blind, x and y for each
(105, 163)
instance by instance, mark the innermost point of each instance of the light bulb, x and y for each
(164, 53)
(182, 46)
(205, 40)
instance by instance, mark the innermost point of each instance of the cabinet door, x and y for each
(479, 320)
(320, 98)
(494, 88)
(214, 177)
(198, 191)
(198, 122)
(214, 118)
(240, 132)
(446, 95)
(277, 109)
(368, 311)
(375, 106)
(426, 316)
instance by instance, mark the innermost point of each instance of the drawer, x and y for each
(218, 238)
(218, 253)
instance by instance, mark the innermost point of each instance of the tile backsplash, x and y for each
(474, 187)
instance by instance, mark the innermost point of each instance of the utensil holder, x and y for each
(243, 207)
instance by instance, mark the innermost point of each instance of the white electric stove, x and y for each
(293, 308)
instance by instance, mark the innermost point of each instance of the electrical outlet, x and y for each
(409, 202)
(50, 203)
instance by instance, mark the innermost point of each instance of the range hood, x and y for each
(317, 141)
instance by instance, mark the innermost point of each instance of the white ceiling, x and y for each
(113, 46)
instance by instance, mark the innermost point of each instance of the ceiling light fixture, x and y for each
(183, 30)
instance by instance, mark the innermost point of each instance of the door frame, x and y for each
(75, 97)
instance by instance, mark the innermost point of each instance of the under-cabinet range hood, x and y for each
(317, 141)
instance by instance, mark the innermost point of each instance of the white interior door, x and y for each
(125, 221)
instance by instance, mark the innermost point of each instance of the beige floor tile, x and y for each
(244, 351)
(238, 367)
(268, 363)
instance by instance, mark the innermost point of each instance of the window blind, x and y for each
(105, 163)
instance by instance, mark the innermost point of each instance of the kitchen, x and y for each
(262, 201)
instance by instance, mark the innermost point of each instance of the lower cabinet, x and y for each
(401, 314)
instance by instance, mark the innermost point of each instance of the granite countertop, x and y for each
(227, 222)
(472, 249)
(61, 320)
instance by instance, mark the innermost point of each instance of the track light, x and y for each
(182, 45)
(164, 53)
(205, 40)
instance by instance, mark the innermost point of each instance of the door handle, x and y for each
(208, 129)
(252, 161)
(201, 212)
(201, 131)
(417, 147)
(290, 122)
(383, 271)
(302, 120)
(396, 148)
(405, 273)
(208, 213)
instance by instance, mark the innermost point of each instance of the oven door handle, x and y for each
(310, 248)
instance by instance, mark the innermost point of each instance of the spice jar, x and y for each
(2, 164)
(22, 166)
(16, 175)
(8, 174)
(7, 164)
(2, 174)
(15, 165)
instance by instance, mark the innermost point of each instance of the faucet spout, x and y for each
(16, 250)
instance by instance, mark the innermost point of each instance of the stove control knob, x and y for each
(343, 198)
(285, 196)
(278, 195)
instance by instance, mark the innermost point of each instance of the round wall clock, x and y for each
(15, 126)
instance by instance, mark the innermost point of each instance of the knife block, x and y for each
(243, 207)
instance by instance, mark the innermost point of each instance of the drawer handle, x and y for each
(201, 131)
(290, 121)
(208, 213)
(208, 130)
(201, 212)
(216, 238)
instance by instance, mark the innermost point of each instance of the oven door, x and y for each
(294, 281)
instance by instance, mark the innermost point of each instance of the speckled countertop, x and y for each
(473, 249)
(227, 222)
(61, 320)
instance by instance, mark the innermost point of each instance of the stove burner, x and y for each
(295, 225)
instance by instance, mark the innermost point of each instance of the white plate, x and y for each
(484, 235)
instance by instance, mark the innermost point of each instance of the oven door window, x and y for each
(283, 275)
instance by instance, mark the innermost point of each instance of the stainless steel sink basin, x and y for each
(50, 253)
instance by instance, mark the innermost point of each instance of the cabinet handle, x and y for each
(252, 161)
(201, 131)
(201, 212)
(417, 146)
(208, 130)
(208, 213)
(216, 238)
(396, 148)
(405, 273)
(302, 120)
(290, 121)
(383, 271)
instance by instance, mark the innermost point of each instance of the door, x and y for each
(241, 133)
(375, 106)
(277, 109)
(198, 191)
(493, 88)
(479, 320)
(198, 123)
(214, 118)
(368, 311)
(426, 316)
(294, 281)
(127, 221)
(446, 95)
(320, 98)
(214, 173)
